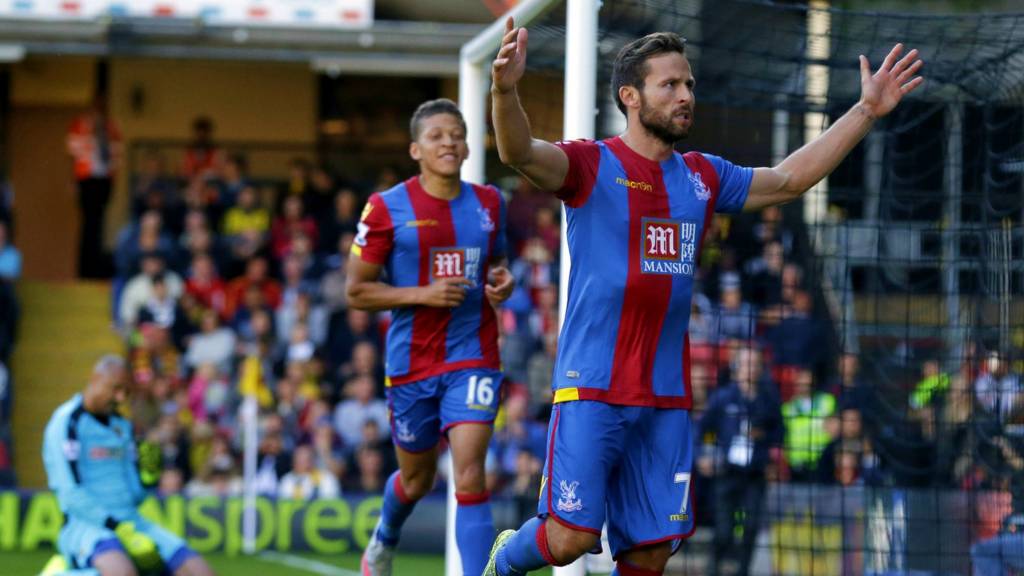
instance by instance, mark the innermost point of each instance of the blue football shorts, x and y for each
(423, 410)
(628, 465)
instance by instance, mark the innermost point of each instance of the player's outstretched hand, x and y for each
(500, 283)
(882, 91)
(445, 293)
(510, 63)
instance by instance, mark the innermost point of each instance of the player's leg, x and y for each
(179, 559)
(415, 430)
(468, 409)
(649, 495)
(584, 444)
(114, 563)
(86, 545)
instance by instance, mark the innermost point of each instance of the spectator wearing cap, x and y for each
(139, 290)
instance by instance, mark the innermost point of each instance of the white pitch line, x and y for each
(314, 566)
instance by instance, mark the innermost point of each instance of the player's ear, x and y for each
(630, 96)
(414, 151)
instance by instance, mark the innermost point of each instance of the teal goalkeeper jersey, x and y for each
(91, 464)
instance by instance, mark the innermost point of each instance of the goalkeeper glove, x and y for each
(141, 548)
(150, 463)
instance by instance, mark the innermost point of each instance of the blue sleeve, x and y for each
(61, 453)
(733, 184)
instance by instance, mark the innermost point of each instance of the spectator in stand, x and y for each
(136, 239)
(369, 463)
(246, 225)
(519, 434)
(164, 311)
(764, 284)
(771, 229)
(205, 286)
(544, 317)
(806, 417)
(797, 339)
(273, 457)
(294, 282)
(95, 145)
(536, 268)
(327, 448)
(360, 406)
(256, 276)
(303, 311)
(320, 193)
(547, 229)
(204, 160)
(139, 290)
(851, 390)
(539, 370)
(10, 257)
(291, 223)
(332, 285)
(346, 328)
(234, 179)
(1004, 553)
(792, 283)
(933, 382)
(298, 179)
(733, 318)
(526, 201)
(209, 394)
(307, 481)
(213, 344)
(365, 362)
(999, 390)
(342, 220)
(745, 421)
(154, 190)
(834, 466)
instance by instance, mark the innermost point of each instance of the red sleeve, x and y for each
(375, 232)
(584, 157)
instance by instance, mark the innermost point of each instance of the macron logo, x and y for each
(635, 185)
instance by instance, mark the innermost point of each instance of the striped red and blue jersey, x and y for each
(635, 228)
(418, 238)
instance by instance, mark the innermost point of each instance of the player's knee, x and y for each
(653, 558)
(114, 564)
(195, 566)
(566, 545)
(471, 478)
(417, 483)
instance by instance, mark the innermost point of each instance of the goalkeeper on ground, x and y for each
(100, 478)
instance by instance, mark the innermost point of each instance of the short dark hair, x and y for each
(433, 108)
(630, 67)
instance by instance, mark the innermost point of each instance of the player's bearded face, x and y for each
(662, 124)
(666, 98)
(441, 147)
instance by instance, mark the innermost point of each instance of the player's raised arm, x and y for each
(801, 170)
(540, 161)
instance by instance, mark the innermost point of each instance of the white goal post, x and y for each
(580, 111)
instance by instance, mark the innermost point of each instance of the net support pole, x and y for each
(250, 429)
(579, 115)
(474, 82)
(952, 188)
